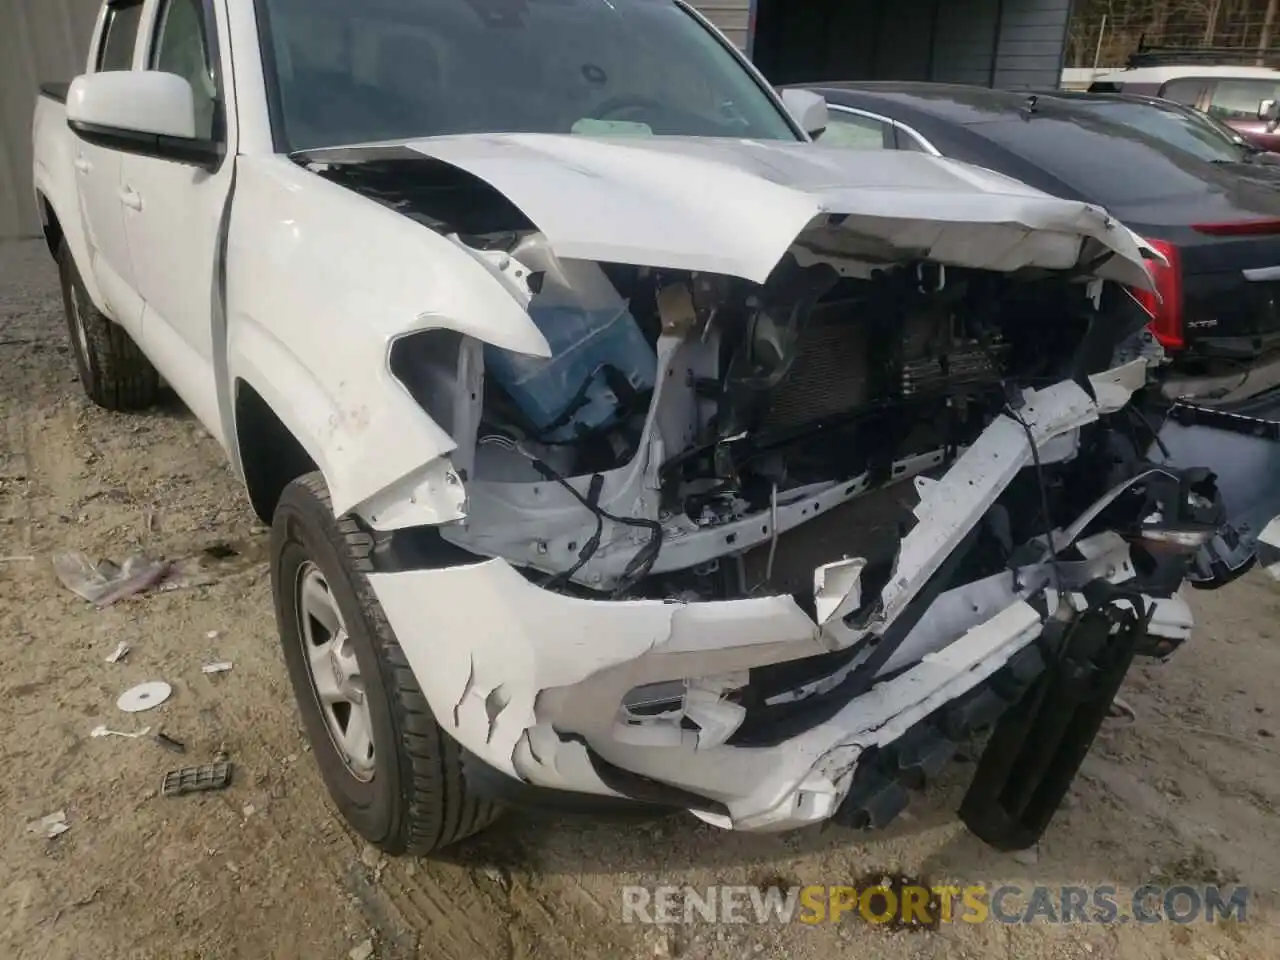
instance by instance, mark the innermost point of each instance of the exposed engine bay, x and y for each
(686, 424)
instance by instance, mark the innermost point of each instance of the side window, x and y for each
(1187, 90)
(909, 140)
(856, 132)
(120, 35)
(181, 46)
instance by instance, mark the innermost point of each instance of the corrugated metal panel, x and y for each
(903, 41)
(733, 17)
(40, 40)
(1033, 35)
(964, 41)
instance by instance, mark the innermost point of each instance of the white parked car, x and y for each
(617, 441)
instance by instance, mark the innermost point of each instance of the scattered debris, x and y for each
(1028, 858)
(144, 696)
(102, 731)
(207, 776)
(221, 666)
(363, 952)
(185, 574)
(121, 651)
(213, 564)
(53, 825)
(1121, 713)
(105, 583)
(169, 743)
(17, 559)
(213, 635)
(249, 810)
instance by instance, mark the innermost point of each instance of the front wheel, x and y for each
(394, 774)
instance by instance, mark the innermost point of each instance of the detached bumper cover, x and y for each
(533, 683)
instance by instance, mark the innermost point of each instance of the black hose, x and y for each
(643, 562)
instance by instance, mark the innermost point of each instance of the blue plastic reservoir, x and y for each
(589, 328)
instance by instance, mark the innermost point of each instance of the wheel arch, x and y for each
(269, 454)
(50, 224)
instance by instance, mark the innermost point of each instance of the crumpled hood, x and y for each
(736, 206)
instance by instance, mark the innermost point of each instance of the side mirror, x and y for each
(808, 108)
(1269, 110)
(140, 111)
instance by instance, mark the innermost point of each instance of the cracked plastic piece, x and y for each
(208, 776)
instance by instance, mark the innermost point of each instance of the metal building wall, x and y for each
(1002, 43)
(40, 40)
(1032, 45)
(733, 17)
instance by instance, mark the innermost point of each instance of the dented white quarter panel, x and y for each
(736, 206)
(320, 283)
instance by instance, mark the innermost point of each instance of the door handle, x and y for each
(83, 165)
(131, 198)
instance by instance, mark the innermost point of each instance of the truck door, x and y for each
(175, 225)
(98, 171)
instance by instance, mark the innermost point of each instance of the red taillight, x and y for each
(1239, 228)
(1164, 304)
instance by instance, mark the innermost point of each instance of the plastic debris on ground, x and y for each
(220, 667)
(53, 825)
(105, 583)
(212, 564)
(169, 743)
(362, 952)
(121, 651)
(144, 696)
(208, 776)
(1121, 713)
(102, 731)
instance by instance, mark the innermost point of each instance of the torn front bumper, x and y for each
(542, 686)
(542, 700)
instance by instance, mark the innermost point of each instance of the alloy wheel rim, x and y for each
(334, 671)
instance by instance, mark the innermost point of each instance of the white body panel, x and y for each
(736, 206)
(312, 317)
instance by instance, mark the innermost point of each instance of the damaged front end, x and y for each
(768, 546)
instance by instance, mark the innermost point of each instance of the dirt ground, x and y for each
(264, 869)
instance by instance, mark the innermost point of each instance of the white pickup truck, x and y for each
(619, 442)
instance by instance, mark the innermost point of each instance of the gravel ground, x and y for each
(1187, 793)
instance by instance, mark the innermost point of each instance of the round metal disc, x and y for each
(144, 696)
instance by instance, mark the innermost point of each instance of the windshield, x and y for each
(355, 71)
(1193, 134)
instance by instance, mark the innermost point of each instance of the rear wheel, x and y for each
(394, 774)
(115, 373)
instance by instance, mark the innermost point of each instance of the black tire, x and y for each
(115, 373)
(418, 800)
